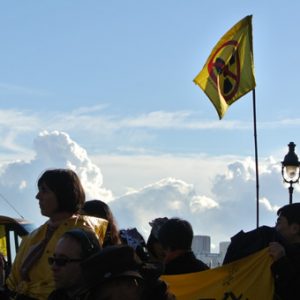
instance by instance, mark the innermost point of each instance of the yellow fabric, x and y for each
(3, 248)
(249, 278)
(41, 283)
(228, 73)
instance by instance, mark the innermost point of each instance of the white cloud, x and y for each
(14, 125)
(166, 197)
(23, 184)
(202, 203)
(97, 128)
(230, 208)
(223, 201)
(267, 204)
(52, 150)
(131, 172)
(69, 154)
(157, 119)
(96, 119)
(216, 194)
(19, 120)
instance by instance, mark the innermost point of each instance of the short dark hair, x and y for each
(291, 212)
(176, 234)
(87, 239)
(66, 186)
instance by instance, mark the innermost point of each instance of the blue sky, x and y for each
(117, 78)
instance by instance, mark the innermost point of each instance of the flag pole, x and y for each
(256, 159)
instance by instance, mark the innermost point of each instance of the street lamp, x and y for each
(291, 169)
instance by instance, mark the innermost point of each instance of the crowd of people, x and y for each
(80, 253)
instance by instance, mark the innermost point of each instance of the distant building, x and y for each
(211, 259)
(223, 249)
(201, 244)
(201, 248)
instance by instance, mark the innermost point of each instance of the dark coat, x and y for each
(286, 271)
(127, 288)
(60, 294)
(246, 243)
(185, 263)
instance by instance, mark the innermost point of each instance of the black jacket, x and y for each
(246, 243)
(286, 271)
(185, 263)
(60, 294)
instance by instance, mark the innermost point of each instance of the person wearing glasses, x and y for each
(60, 197)
(84, 271)
(75, 246)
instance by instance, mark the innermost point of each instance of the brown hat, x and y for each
(111, 262)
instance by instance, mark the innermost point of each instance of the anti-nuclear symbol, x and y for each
(227, 76)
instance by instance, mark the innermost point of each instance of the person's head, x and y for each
(153, 245)
(99, 209)
(288, 222)
(74, 247)
(119, 274)
(155, 249)
(176, 234)
(60, 190)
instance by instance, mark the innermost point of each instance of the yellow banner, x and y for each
(3, 249)
(249, 278)
(228, 73)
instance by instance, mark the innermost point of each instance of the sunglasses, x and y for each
(61, 261)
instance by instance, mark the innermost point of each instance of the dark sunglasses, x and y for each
(61, 261)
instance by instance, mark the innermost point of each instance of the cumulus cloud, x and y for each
(218, 205)
(230, 208)
(168, 197)
(202, 203)
(52, 150)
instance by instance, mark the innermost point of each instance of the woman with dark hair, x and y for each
(100, 209)
(60, 195)
(66, 186)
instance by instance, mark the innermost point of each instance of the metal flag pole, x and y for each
(256, 159)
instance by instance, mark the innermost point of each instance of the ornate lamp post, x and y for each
(291, 169)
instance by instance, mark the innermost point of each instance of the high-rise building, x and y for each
(201, 248)
(223, 246)
(201, 244)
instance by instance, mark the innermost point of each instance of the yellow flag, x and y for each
(249, 278)
(228, 73)
(3, 248)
